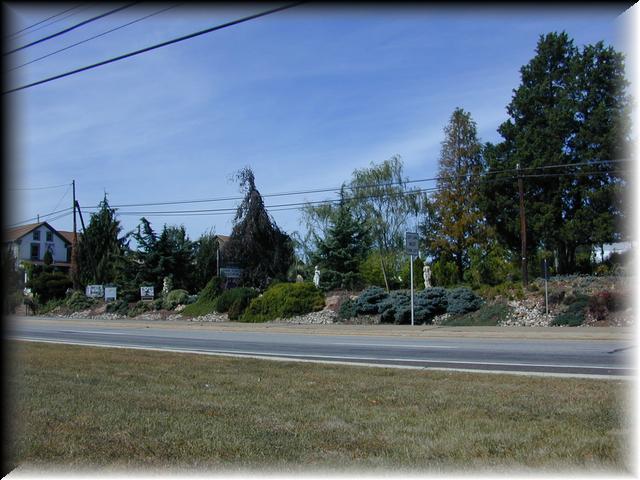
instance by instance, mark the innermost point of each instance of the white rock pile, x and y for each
(526, 314)
(322, 317)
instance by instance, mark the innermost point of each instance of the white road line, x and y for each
(95, 331)
(355, 364)
(340, 357)
(390, 345)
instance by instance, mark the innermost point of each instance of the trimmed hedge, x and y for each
(462, 300)
(284, 300)
(175, 298)
(235, 301)
(575, 314)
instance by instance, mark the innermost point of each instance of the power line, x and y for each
(41, 21)
(86, 7)
(17, 224)
(66, 30)
(94, 37)
(40, 188)
(153, 47)
(61, 198)
(337, 189)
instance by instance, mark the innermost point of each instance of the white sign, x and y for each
(411, 243)
(146, 293)
(231, 272)
(94, 291)
(110, 293)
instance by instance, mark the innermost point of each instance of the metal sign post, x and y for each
(411, 248)
(546, 291)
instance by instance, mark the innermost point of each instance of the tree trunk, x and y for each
(384, 271)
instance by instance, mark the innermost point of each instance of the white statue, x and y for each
(426, 274)
(316, 277)
(299, 278)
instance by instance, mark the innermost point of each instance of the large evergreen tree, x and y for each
(205, 259)
(257, 245)
(169, 254)
(101, 249)
(570, 109)
(342, 249)
(454, 220)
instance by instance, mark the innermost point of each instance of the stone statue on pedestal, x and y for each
(426, 274)
(316, 277)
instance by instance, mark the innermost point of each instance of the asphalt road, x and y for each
(592, 358)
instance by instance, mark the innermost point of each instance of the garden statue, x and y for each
(299, 278)
(316, 277)
(426, 274)
(166, 286)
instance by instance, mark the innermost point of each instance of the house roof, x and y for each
(223, 238)
(13, 234)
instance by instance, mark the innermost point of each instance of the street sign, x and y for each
(411, 243)
(146, 293)
(110, 294)
(231, 272)
(94, 291)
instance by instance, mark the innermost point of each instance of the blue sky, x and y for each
(303, 97)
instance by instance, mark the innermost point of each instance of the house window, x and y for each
(35, 251)
(49, 236)
(36, 235)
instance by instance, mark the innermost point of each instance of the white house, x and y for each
(29, 243)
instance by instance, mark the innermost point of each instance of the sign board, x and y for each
(146, 293)
(94, 291)
(110, 294)
(231, 272)
(411, 243)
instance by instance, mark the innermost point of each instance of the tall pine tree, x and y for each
(454, 219)
(343, 248)
(571, 108)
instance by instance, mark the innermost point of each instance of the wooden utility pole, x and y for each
(523, 231)
(75, 277)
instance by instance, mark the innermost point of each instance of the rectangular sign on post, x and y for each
(411, 243)
(411, 249)
(94, 291)
(146, 293)
(231, 272)
(110, 294)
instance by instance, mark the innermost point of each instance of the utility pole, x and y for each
(74, 245)
(523, 230)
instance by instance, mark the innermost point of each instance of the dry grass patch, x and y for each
(81, 406)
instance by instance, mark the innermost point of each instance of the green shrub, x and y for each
(486, 316)
(235, 301)
(508, 290)
(211, 290)
(175, 298)
(444, 273)
(395, 308)
(119, 307)
(369, 300)
(51, 305)
(49, 285)
(348, 309)
(575, 313)
(78, 301)
(431, 302)
(200, 308)
(462, 300)
(139, 308)
(284, 300)
(158, 304)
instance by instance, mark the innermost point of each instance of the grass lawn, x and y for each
(83, 407)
